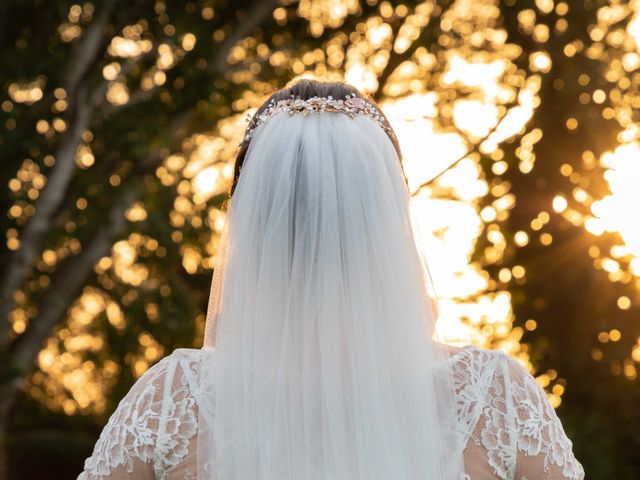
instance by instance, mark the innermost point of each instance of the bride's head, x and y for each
(320, 206)
(304, 90)
(319, 195)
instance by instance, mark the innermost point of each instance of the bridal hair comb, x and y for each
(351, 106)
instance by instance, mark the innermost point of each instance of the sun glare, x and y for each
(613, 212)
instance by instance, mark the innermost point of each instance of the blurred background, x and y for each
(119, 123)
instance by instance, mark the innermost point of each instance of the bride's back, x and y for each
(510, 429)
(319, 360)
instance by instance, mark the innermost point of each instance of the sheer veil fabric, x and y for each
(321, 318)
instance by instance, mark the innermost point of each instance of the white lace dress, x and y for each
(511, 431)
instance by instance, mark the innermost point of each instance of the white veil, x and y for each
(321, 319)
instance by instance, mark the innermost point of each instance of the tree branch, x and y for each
(69, 280)
(259, 11)
(88, 51)
(66, 283)
(396, 59)
(53, 193)
(475, 148)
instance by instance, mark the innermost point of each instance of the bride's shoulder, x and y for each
(181, 356)
(181, 368)
(472, 353)
(190, 355)
(186, 361)
(471, 361)
(152, 425)
(482, 369)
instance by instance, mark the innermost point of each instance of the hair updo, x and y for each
(306, 89)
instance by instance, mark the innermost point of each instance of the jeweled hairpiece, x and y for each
(351, 106)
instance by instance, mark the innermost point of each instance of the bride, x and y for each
(320, 360)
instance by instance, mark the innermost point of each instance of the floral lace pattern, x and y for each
(152, 425)
(504, 411)
(540, 430)
(504, 417)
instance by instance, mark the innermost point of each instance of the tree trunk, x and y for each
(65, 286)
(7, 402)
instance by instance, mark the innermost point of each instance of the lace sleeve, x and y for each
(151, 430)
(543, 449)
